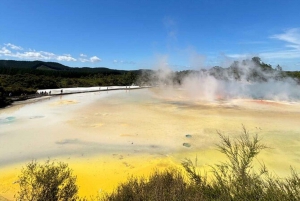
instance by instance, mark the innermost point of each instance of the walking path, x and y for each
(62, 91)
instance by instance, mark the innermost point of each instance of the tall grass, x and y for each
(169, 185)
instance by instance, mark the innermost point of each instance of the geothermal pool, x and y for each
(107, 136)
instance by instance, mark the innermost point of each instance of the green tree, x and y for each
(256, 60)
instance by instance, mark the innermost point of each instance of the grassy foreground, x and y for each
(235, 179)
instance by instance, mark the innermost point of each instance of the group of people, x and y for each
(45, 93)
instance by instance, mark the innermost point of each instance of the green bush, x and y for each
(3, 99)
(50, 181)
(169, 185)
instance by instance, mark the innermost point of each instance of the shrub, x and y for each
(50, 181)
(168, 185)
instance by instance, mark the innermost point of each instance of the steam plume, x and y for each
(243, 79)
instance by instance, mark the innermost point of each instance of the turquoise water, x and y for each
(7, 120)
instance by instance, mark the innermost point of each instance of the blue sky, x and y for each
(142, 34)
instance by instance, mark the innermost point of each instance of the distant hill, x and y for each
(54, 66)
(32, 64)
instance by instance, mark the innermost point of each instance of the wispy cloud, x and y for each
(83, 60)
(13, 51)
(290, 50)
(284, 54)
(251, 42)
(123, 62)
(27, 54)
(240, 55)
(32, 55)
(66, 58)
(291, 36)
(171, 27)
(94, 59)
(12, 46)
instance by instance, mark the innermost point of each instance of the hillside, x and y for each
(29, 66)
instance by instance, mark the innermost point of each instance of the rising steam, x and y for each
(243, 79)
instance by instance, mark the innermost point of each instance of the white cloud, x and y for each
(65, 58)
(32, 55)
(41, 55)
(14, 51)
(83, 60)
(49, 54)
(12, 46)
(5, 51)
(95, 59)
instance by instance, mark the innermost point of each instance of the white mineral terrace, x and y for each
(87, 89)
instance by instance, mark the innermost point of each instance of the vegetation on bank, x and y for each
(3, 100)
(24, 77)
(50, 181)
(235, 179)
